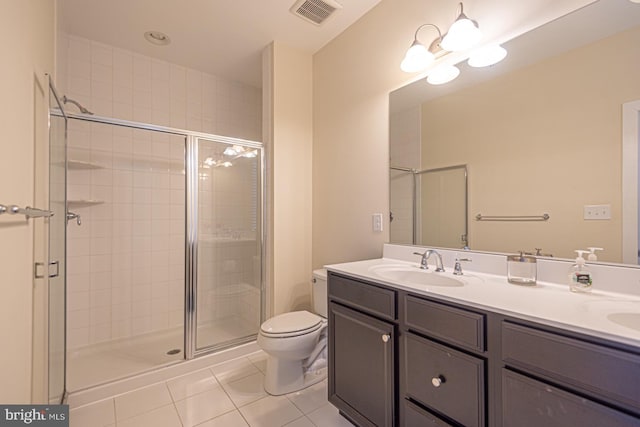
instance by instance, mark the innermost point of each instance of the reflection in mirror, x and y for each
(540, 132)
(438, 197)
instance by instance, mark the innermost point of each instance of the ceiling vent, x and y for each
(315, 11)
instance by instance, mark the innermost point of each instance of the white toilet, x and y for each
(296, 344)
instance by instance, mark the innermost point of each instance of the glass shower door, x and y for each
(229, 254)
(57, 252)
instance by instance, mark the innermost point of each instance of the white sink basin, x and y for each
(410, 275)
(620, 312)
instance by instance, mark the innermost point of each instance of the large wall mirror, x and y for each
(542, 132)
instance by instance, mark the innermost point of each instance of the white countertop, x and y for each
(608, 315)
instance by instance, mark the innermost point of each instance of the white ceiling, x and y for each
(221, 37)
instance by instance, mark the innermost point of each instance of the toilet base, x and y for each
(287, 376)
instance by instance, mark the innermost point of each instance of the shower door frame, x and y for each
(191, 252)
(191, 224)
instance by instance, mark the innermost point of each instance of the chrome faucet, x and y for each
(425, 256)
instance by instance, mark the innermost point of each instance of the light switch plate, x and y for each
(377, 222)
(597, 212)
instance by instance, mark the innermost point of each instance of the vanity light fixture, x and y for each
(443, 74)
(487, 55)
(462, 35)
(418, 57)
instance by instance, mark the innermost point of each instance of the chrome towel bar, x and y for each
(543, 217)
(28, 212)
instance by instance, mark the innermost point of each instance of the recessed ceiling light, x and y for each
(158, 38)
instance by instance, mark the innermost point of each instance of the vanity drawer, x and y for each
(611, 374)
(415, 416)
(461, 327)
(364, 296)
(446, 380)
(530, 403)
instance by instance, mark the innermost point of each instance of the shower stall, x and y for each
(164, 246)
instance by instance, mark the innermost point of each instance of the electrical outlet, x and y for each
(597, 212)
(377, 222)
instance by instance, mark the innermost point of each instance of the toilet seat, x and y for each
(291, 324)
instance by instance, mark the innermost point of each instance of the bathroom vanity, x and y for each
(472, 350)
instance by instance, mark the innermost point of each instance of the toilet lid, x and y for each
(294, 323)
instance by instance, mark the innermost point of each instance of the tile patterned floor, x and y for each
(230, 394)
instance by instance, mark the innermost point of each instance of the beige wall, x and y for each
(289, 145)
(26, 46)
(546, 138)
(353, 76)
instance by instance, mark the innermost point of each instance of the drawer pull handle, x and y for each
(437, 381)
(386, 337)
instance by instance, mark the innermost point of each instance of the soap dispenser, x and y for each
(592, 256)
(580, 279)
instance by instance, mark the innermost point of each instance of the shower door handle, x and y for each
(40, 274)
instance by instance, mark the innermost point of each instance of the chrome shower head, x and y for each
(77, 104)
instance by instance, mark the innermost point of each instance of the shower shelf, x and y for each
(82, 165)
(83, 203)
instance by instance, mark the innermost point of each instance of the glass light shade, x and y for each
(417, 58)
(462, 35)
(487, 55)
(443, 74)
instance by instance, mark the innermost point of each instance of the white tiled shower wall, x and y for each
(118, 83)
(126, 262)
(404, 151)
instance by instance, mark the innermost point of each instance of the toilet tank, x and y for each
(319, 292)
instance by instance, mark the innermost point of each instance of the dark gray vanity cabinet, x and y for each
(399, 358)
(362, 351)
(442, 368)
(553, 379)
(527, 402)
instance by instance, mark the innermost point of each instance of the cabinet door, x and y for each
(530, 403)
(361, 366)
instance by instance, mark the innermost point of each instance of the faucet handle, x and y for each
(457, 269)
(423, 261)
